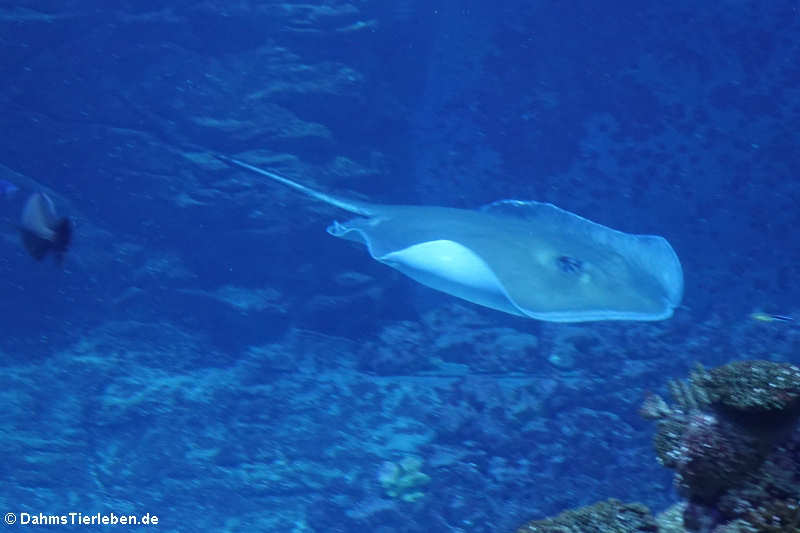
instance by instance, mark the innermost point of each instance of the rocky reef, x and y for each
(610, 515)
(730, 435)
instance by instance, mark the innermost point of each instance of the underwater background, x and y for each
(208, 354)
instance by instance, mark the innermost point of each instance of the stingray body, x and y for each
(529, 259)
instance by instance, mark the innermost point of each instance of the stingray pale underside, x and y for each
(528, 259)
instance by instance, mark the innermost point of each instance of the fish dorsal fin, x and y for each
(353, 206)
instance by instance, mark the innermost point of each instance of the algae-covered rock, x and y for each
(671, 519)
(754, 387)
(708, 453)
(731, 437)
(603, 517)
(404, 480)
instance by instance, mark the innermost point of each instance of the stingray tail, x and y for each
(348, 205)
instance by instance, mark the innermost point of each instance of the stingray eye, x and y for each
(569, 265)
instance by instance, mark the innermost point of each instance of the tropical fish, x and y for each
(528, 259)
(769, 317)
(42, 230)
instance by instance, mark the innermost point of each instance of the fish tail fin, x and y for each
(57, 242)
(62, 235)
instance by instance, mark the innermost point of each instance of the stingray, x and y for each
(526, 258)
(42, 230)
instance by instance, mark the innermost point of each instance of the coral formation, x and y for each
(731, 437)
(403, 480)
(610, 515)
(730, 440)
(761, 388)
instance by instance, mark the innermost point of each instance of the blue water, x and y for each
(207, 354)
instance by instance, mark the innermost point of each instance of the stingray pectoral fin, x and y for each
(454, 269)
(443, 265)
(447, 260)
